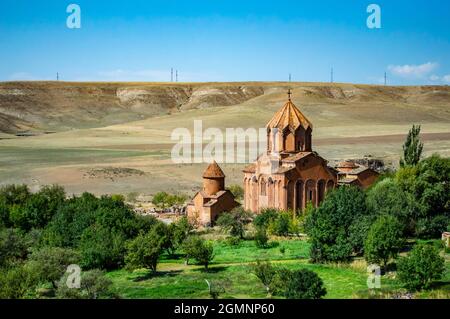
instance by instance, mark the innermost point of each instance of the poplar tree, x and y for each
(412, 148)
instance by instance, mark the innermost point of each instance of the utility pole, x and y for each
(176, 76)
(290, 77)
(385, 78)
(332, 75)
(171, 74)
(57, 76)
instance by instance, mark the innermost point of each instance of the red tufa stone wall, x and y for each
(308, 182)
(213, 185)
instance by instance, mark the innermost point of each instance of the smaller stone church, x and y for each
(213, 199)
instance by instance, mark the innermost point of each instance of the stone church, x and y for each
(213, 199)
(289, 175)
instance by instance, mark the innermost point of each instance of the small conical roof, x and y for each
(346, 164)
(289, 116)
(213, 171)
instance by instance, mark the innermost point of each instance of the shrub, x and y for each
(265, 273)
(234, 222)
(420, 267)
(94, 285)
(265, 217)
(261, 237)
(164, 200)
(281, 225)
(299, 284)
(384, 240)
(16, 282)
(237, 191)
(13, 246)
(50, 263)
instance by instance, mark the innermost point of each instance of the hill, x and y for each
(41, 107)
(126, 127)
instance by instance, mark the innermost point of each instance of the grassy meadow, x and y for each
(232, 268)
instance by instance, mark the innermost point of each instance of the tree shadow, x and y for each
(156, 274)
(439, 285)
(212, 270)
(174, 256)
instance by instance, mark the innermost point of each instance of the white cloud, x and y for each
(413, 71)
(435, 78)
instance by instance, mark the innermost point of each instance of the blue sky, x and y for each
(218, 40)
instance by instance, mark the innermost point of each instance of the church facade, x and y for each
(290, 175)
(207, 204)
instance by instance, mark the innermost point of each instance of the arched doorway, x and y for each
(254, 187)
(310, 192)
(330, 185)
(321, 190)
(299, 191)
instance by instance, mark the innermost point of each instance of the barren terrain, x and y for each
(116, 137)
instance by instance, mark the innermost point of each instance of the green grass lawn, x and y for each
(232, 268)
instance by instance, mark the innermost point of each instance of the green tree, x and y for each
(237, 191)
(428, 187)
(160, 199)
(358, 233)
(388, 198)
(204, 254)
(282, 224)
(38, 209)
(299, 284)
(13, 246)
(234, 222)
(384, 240)
(422, 265)
(16, 282)
(94, 285)
(144, 251)
(266, 216)
(50, 263)
(261, 237)
(102, 247)
(180, 231)
(328, 226)
(266, 274)
(412, 148)
(164, 200)
(196, 248)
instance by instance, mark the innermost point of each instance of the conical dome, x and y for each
(289, 116)
(213, 171)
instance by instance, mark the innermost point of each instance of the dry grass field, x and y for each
(121, 131)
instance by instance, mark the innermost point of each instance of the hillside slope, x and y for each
(61, 106)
